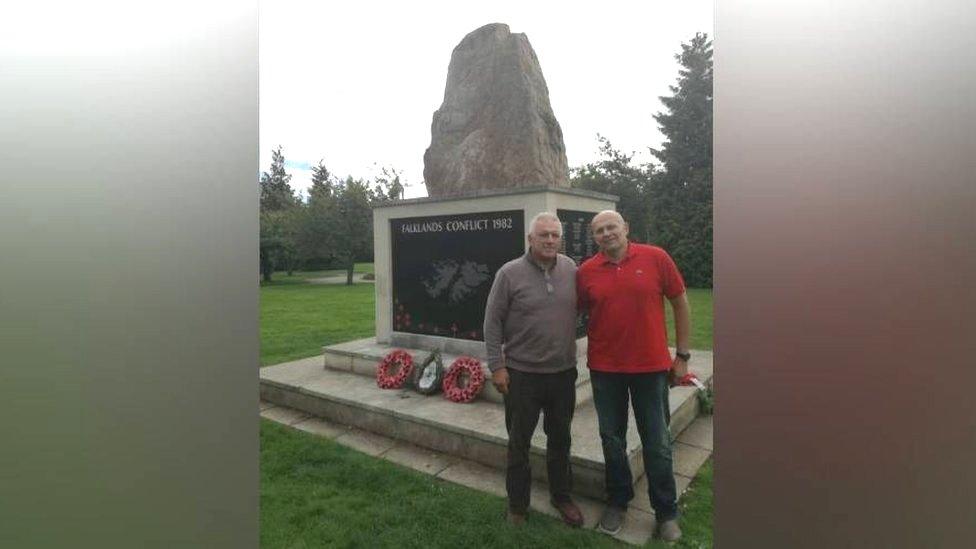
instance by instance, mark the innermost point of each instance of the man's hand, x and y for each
(499, 378)
(679, 369)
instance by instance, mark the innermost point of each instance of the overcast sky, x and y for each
(357, 84)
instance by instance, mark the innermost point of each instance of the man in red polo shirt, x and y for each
(623, 289)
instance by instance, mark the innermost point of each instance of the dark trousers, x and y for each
(649, 394)
(528, 394)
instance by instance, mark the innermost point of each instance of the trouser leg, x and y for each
(558, 417)
(610, 398)
(522, 408)
(650, 393)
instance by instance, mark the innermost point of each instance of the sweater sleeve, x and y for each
(496, 311)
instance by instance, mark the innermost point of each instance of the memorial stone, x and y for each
(496, 128)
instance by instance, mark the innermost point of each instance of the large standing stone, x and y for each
(495, 129)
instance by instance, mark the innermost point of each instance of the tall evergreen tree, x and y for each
(323, 186)
(315, 237)
(680, 196)
(276, 193)
(279, 208)
(687, 123)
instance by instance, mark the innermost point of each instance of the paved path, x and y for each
(691, 449)
(337, 279)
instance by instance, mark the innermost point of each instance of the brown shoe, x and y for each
(515, 519)
(569, 511)
(669, 530)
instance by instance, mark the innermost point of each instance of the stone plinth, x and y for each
(473, 431)
(435, 260)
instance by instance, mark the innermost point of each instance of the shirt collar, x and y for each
(631, 252)
(532, 261)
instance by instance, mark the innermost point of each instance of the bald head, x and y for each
(605, 214)
(610, 233)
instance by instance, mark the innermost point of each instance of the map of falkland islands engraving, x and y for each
(456, 281)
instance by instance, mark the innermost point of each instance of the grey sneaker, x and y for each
(669, 530)
(612, 519)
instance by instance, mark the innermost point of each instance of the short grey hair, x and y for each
(548, 216)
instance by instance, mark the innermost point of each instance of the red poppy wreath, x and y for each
(394, 369)
(463, 380)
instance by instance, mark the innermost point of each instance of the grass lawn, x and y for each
(317, 493)
(298, 318)
(700, 301)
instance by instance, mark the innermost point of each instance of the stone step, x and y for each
(362, 355)
(473, 431)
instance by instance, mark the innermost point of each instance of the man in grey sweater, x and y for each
(530, 338)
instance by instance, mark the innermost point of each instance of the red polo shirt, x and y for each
(626, 330)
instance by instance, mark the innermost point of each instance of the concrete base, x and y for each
(474, 431)
(362, 355)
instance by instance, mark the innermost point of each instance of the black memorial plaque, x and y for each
(443, 268)
(577, 244)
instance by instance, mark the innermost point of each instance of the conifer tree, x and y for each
(680, 197)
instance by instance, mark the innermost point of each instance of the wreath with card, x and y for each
(428, 376)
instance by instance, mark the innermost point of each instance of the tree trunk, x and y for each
(267, 267)
(349, 273)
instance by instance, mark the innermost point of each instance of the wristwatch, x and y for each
(685, 356)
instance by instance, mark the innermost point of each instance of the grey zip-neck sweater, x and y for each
(530, 317)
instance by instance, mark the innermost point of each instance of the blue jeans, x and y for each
(649, 393)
